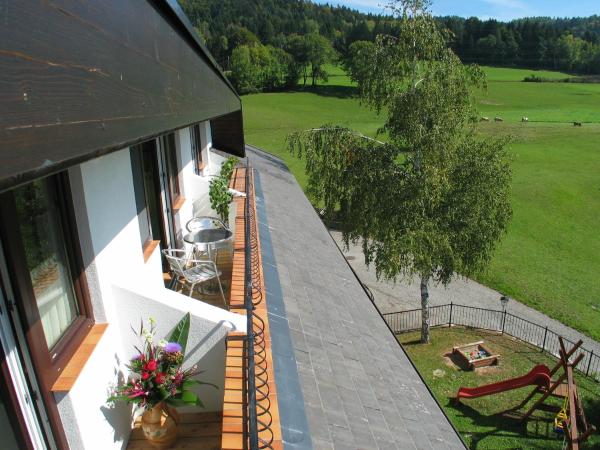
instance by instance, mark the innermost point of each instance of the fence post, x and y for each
(587, 372)
(545, 335)
(450, 320)
(503, 320)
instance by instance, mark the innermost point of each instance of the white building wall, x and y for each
(125, 289)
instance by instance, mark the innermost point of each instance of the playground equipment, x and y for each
(570, 420)
(475, 355)
(539, 376)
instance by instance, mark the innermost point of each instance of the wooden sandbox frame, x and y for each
(459, 352)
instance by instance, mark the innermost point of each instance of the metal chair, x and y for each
(191, 272)
(204, 223)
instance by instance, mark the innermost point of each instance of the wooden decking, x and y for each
(234, 409)
(197, 431)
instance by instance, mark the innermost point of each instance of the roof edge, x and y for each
(183, 20)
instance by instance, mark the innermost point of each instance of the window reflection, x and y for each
(43, 240)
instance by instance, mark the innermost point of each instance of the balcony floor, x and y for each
(197, 431)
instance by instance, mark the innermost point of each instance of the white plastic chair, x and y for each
(192, 272)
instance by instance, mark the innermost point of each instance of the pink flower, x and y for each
(178, 378)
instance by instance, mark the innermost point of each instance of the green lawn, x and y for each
(480, 421)
(550, 257)
(542, 102)
(502, 74)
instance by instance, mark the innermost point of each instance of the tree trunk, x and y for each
(424, 310)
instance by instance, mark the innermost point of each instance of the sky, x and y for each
(497, 9)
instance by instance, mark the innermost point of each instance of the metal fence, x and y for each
(493, 320)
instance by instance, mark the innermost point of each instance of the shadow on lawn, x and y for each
(502, 425)
(330, 91)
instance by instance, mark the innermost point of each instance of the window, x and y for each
(196, 149)
(172, 168)
(146, 183)
(40, 238)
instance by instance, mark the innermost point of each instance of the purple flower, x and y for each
(172, 347)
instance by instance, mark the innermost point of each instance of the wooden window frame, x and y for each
(64, 349)
(48, 363)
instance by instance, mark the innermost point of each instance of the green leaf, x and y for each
(190, 398)
(181, 332)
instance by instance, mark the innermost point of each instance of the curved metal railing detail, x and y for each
(259, 403)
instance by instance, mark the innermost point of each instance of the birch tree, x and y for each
(432, 202)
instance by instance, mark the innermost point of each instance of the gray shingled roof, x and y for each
(342, 380)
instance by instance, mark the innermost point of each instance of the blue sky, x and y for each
(498, 9)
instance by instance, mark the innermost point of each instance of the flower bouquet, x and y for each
(157, 381)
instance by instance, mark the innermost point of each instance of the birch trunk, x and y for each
(424, 310)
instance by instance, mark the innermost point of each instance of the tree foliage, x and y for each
(538, 42)
(256, 68)
(433, 201)
(357, 60)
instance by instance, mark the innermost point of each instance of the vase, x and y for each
(159, 426)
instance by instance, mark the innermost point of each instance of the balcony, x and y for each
(250, 416)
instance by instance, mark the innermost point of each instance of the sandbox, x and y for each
(475, 355)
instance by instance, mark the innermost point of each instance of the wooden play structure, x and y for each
(570, 421)
(475, 355)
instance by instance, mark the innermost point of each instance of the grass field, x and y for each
(480, 421)
(550, 257)
(502, 74)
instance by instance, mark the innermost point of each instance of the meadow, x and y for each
(550, 257)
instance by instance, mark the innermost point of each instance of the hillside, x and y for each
(571, 45)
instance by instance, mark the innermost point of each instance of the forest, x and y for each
(267, 45)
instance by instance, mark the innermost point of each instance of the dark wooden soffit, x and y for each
(80, 79)
(228, 133)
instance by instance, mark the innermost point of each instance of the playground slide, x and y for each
(539, 375)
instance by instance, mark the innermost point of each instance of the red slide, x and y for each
(539, 375)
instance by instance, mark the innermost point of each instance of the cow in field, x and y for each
(498, 119)
(577, 124)
(525, 119)
(484, 119)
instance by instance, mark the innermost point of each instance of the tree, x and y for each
(297, 46)
(357, 60)
(256, 68)
(433, 201)
(320, 52)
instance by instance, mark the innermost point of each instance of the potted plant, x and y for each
(158, 381)
(220, 196)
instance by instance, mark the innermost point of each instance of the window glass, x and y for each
(39, 218)
(196, 148)
(152, 188)
(173, 170)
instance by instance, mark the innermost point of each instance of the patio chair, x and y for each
(192, 272)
